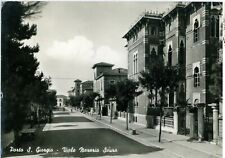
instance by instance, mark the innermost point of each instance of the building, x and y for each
(86, 87)
(191, 34)
(143, 38)
(77, 87)
(61, 100)
(104, 75)
(202, 43)
(174, 49)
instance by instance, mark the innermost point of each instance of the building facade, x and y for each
(86, 87)
(143, 38)
(77, 85)
(104, 75)
(191, 34)
(61, 100)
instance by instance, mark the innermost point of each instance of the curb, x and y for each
(130, 136)
(126, 134)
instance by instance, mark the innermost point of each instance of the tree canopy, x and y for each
(21, 84)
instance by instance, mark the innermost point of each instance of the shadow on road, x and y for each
(93, 141)
(70, 119)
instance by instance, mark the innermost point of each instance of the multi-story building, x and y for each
(174, 49)
(143, 38)
(86, 87)
(202, 44)
(104, 75)
(190, 33)
(77, 87)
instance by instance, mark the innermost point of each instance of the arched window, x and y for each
(196, 77)
(196, 30)
(153, 52)
(170, 56)
(217, 27)
(181, 53)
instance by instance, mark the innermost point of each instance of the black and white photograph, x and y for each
(137, 79)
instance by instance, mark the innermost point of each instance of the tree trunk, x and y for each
(100, 110)
(160, 110)
(111, 113)
(160, 124)
(127, 119)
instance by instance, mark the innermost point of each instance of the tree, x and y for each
(110, 93)
(19, 64)
(160, 78)
(217, 82)
(124, 92)
(75, 101)
(88, 99)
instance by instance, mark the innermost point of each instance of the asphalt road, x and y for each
(73, 135)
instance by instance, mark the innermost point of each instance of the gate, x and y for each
(208, 123)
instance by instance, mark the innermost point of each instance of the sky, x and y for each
(73, 36)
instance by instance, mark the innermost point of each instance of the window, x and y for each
(169, 26)
(217, 27)
(135, 65)
(153, 31)
(196, 30)
(214, 31)
(196, 77)
(181, 53)
(153, 52)
(170, 51)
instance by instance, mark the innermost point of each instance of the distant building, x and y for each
(86, 87)
(77, 87)
(61, 100)
(104, 75)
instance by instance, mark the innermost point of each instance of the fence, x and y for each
(166, 121)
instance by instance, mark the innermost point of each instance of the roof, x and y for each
(102, 64)
(178, 5)
(90, 82)
(77, 80)
(145, 15)
(114, 72)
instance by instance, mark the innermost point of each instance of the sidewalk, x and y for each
(175, 144)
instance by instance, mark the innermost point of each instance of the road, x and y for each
(73, 135)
